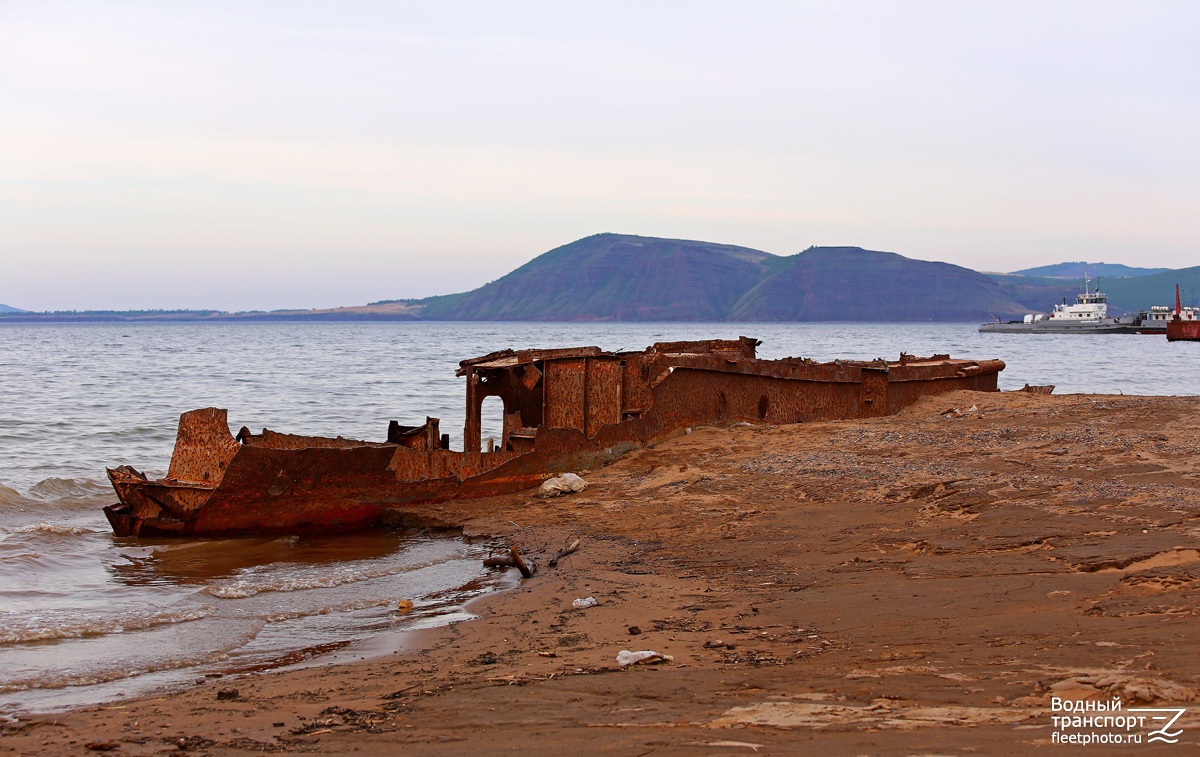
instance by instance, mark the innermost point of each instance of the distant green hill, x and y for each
(853, 284)
(1159, 289)
(1077, 270)
(10, 309)
(619, 277)
(614, 277)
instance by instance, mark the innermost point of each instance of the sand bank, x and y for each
(924, 582)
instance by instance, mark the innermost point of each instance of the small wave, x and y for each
(248, 587)
(55, 679)
(40, 628)
(283, 615)
(68, 488)
(241, 589)
(11, 497)
(54, 528)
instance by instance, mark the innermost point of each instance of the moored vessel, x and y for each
(1184, 325)
(1087, 315)
(1153, 320)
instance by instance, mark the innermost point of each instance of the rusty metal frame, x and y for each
(566, 409)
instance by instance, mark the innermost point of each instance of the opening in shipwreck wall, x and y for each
(491, 422)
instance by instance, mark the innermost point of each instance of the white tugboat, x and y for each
(1087, 315)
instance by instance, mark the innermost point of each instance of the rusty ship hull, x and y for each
(564, 410)
(1183, 325)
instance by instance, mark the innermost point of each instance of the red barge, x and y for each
(1184, 325)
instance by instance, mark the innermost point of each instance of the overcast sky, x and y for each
(312, 154)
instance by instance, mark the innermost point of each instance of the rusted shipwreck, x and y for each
(564, 410)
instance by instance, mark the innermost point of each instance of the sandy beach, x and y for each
(926, 582)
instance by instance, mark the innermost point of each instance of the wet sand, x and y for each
(920, 583)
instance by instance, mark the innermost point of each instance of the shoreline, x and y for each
(442, 607)
(404, 641)
(929, 580)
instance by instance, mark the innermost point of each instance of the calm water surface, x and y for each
(86, 617)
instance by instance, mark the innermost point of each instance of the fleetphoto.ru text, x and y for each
(1084, 722)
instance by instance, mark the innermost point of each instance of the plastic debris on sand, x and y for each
(567, 483)
(645, 657)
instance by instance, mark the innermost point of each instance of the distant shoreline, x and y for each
(626, 278)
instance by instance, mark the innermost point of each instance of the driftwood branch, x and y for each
(527, 565)
(563, 553)
(527, 568)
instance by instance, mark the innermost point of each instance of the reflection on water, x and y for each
(202, 561)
